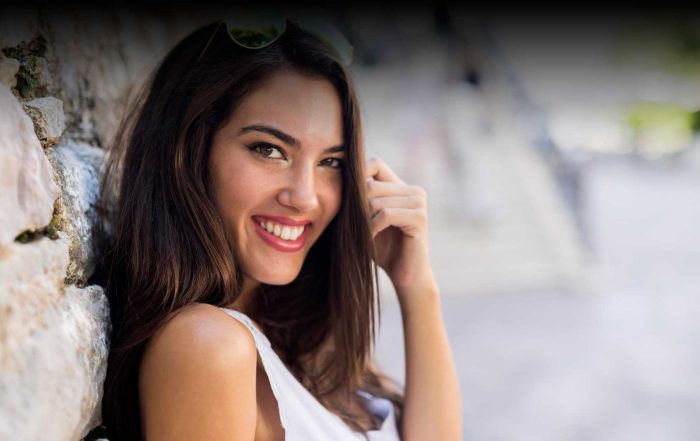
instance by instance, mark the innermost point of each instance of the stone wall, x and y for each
(65, 78)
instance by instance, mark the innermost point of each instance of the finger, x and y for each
(410, 221)
(412, 201)
(377, 169)
(380, 188)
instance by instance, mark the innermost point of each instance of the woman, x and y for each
(240, 264)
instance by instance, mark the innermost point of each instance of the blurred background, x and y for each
(561, 157)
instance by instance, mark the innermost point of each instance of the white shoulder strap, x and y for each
(302, 416)
(268, 357)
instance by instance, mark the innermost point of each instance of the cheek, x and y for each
(236, 189)
(333, 196)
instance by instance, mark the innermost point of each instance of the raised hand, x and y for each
(399, 224)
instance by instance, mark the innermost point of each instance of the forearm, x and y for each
(432, 407)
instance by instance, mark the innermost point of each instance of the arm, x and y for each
(399, 222)
(197, 379)
(432, 408)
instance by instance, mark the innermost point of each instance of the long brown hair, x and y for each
(164, 246)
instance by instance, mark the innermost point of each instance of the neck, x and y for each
(245, 298)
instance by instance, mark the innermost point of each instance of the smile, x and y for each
(288, 236)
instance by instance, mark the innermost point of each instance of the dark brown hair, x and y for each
(164, 245)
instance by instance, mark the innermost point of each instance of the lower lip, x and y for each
(287, 246)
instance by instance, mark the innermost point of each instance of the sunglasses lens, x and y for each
(260, 29)
(255, 39)
(256, 31)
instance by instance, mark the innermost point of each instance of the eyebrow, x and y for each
(284, 137)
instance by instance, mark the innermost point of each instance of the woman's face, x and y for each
(277, 174)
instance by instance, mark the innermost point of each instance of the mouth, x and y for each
(282, 234)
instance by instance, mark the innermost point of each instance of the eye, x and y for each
(333, 162)
(267, 151)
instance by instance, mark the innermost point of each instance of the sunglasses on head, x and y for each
(259, 30)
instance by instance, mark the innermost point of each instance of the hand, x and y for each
(399, 225)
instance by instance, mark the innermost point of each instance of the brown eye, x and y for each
(267, 151)
(333, 162)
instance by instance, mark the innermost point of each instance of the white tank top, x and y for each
(303, 417)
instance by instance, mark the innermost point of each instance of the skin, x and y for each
(200, 377)
(400, 229)
(278, 179)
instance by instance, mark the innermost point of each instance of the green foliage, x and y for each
(695, 121)
(662, 128)
(27, 82)
(37, 46)
(50, 231)
(28, 77)
(648, 115)
(29, 236)
(25, 237)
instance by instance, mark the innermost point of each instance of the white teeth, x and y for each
(284, 232)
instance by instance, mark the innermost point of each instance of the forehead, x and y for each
(305, 107)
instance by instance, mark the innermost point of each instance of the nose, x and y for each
(299, 193)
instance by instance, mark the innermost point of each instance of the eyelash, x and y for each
(257, 149)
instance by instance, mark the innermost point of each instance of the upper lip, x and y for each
(282, 220)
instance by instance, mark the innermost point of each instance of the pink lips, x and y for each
(277, 243)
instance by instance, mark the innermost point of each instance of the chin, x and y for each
(277, 278)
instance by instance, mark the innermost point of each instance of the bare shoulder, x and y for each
(197, 378)
(203, 330)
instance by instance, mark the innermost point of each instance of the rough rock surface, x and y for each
(27, 189)
(49, 120)
(78, 167)
(53, 333)
(109, 54)
(57, 333)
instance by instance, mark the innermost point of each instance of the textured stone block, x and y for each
(103, 60)
(79, 168)
(49, 120)
(8, 70)
(59, 335)
(27, 189)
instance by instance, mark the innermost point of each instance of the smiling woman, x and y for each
(275, 181)
(242, 233)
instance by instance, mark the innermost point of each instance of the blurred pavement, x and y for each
(570, 320)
